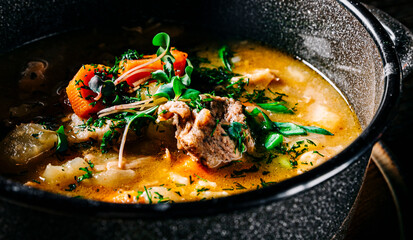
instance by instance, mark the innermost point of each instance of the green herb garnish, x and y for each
(225, 54)
(62, 143)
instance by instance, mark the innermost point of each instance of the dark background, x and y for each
(376, 215)
(400, 133)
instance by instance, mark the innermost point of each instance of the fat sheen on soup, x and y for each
(164, 123)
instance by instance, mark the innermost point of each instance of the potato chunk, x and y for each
(324, 117)
(26, 143)
(65, 173)
(114, 177)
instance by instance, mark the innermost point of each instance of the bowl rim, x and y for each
(49, 202)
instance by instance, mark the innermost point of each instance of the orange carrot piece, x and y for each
(81, 98)
(126, 65)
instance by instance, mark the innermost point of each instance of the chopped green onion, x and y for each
(273, 140)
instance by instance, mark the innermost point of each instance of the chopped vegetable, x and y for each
(62, 144)
(81, 97)
(172, 130)
(273, 140)
(127, 65)
(225, 54)
(275, 107)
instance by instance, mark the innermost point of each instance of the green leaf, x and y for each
(97, 85)
(87, 175)
(132, 118)
(108, 138)
(165, 90)
(108, 88)
(288, 129)
(146, 114)
(161, 76)
(190, 94)
(267, 124)
(131, 55)
(273, 140)
(178, 86)
(186, 79)
(317, 130)
(225, 54)
(62, 143)
(142, 114)
(161, 40)
(235, 132)
(275, 107)
(117, 100)
(255, 112)
(168, 66)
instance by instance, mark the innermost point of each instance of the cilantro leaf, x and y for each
(62, 143)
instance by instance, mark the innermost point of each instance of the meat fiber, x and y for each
(202, 134)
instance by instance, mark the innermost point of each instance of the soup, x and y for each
(178, 123)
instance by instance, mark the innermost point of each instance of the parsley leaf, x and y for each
(62, 143)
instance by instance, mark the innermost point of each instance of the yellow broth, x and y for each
(156, 171)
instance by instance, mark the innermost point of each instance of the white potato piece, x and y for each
(298, 73)
(323, 117)
(211, 194)
(64, 174)
(114, 177)
(159, 195)
(176, 178)
(207, 189)
(26, 143)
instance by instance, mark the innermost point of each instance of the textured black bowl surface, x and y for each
(311, 205)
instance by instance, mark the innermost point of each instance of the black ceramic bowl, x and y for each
(340, 38)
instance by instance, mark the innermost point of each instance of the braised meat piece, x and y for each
(205, 134)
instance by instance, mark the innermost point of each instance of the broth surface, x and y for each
(156, 171)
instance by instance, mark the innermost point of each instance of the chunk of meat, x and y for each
(202, 134)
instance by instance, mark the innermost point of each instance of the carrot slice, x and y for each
(179, 65)
(80, 96)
